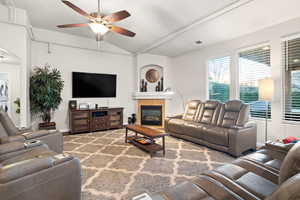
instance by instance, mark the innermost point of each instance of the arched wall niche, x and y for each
(151, 78)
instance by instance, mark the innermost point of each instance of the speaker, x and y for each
(72, 104)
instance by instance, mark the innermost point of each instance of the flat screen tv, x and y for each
(90, 85)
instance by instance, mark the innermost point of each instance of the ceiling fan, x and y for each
(99, 23)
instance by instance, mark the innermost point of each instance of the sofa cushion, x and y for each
(215, 135)
(271, 160)
(209, 112)
(193, 129)
(233, 113)
(246, 179)
(191, 109)
(176, 126)
(257, 185)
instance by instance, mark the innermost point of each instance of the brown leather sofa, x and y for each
(30, 171)
(10, 133)
(272, 173)
(224, 127)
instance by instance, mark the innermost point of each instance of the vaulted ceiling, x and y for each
(168, 27)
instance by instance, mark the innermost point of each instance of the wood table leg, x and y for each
(164, 146)
(126, 133)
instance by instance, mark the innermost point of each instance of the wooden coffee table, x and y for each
(149, 133)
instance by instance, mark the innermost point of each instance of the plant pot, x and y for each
(47, 126)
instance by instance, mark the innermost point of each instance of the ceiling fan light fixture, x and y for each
(98, 28)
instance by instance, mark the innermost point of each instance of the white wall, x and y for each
(190, 73)
(68, 59)
(14, 38)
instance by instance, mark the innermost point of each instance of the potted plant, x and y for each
(45, 93)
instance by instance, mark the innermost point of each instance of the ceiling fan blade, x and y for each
(117, 16)
(122, 31)
(99, 37)
(71, 25)
(78, 10)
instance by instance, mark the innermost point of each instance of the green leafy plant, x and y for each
(45, 91)
(18, 104)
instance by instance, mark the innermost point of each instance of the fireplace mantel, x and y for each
(152, 95)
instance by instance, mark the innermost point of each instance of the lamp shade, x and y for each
(266, 88)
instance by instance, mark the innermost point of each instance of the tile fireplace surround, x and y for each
(151, 99)
(150, 102)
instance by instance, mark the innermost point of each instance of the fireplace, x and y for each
(151, 115)
(151, 112)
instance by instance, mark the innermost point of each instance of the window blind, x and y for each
(219, 78)
(291, 62)
(254, 65)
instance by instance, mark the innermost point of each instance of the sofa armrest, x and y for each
(277, 146)
(15, 138)
(35, 134)
(179, 116)
(19, 170)
(11, 147)
(242, 139)
(9, 150)
(287, 190)
(247, 125)
(24, 130)
(23, 168)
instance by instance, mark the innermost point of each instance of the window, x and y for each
(254, 65)
(219, 78)
(291, 55)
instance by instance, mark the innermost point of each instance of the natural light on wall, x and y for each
(219, 79)
(254, 65)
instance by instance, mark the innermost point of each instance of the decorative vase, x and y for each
(146, 87)
(159, 86)
(142, 85)
(129, 120)
(133, 118)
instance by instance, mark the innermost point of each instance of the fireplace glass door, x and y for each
(151, 115)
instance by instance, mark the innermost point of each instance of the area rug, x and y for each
(114, 170)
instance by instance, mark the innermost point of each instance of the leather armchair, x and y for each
(10, 133)
(48, 178)
(244, 179)
(30, 171)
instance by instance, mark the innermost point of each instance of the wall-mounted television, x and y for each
(90, 85)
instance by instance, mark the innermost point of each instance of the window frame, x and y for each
(283, 79)
(207, 73)
(238, 89)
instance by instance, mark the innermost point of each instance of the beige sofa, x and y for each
(224, 127)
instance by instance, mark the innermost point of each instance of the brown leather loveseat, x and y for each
(224, 127)
(272, 173)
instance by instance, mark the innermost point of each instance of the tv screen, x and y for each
(88, 85)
